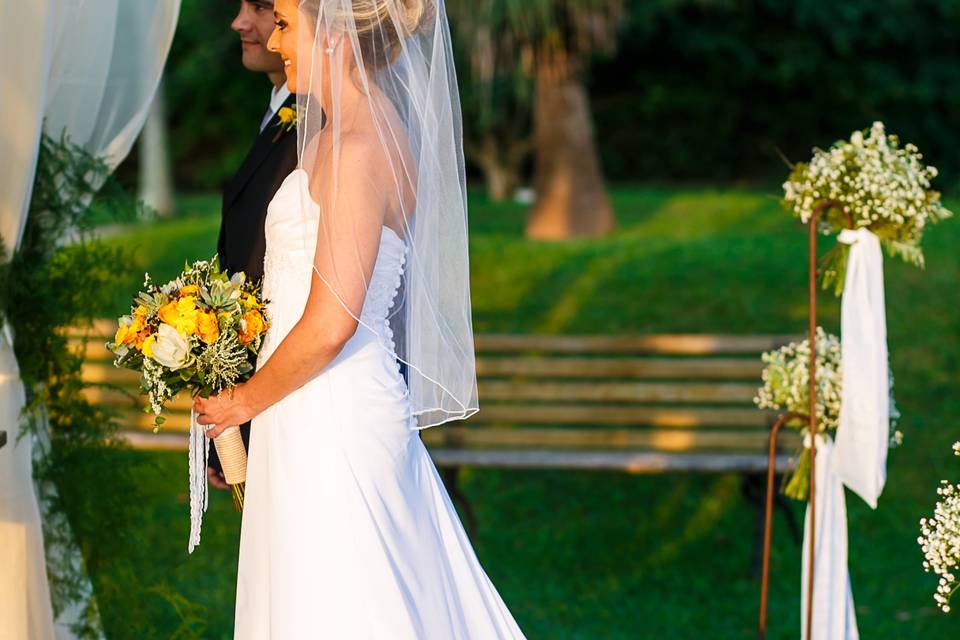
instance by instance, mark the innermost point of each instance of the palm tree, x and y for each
(547, 42)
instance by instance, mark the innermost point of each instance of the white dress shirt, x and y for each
(277, 97)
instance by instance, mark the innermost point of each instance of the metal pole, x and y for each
(812, 414)
(811, 417)
(768, 518)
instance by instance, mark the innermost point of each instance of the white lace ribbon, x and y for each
(199, 449)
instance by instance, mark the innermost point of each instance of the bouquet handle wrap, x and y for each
(233, 455)
(199, 449)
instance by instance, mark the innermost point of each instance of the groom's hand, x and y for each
(216, 478)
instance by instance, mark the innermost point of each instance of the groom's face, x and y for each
(254, 23)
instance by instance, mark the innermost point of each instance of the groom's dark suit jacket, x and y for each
(242, 240)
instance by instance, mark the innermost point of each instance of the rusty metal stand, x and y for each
(811, 418)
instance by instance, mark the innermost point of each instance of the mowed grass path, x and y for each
(608, 555)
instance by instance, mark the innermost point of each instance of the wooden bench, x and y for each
(640, 404)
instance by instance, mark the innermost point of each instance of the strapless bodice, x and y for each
(291, 234)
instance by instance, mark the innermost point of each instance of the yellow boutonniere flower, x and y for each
(189, 290)
(288, 120)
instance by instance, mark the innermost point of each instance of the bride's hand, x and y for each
(224, 410)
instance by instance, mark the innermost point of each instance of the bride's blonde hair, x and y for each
(380, 35)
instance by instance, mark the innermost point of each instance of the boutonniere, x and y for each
(288, 120)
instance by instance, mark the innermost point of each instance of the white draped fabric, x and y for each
(90, 68)
(858, 457)
(864, 431)
(834, 617)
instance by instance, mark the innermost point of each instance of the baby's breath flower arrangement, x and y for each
(197, 333)
(940, 541)
(877, 184)
(786, 380)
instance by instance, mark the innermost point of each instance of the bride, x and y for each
(347, 531)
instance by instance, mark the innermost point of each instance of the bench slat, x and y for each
(119, 399)
(672, 344)
(631, 462)
(677, 417)
(644, 368)
(97, 373)
(139, 421)
(652, 439)
(717, 393)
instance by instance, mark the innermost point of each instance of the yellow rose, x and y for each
(187, 321)
(252, 325)
(189, 290)
(139, 324)
(147, 346)
(141, 311)
(121, 334)
(208, 327)
(169, 313)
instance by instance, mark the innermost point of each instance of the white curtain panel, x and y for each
(90, 68)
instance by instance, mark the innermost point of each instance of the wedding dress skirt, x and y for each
(347, 530)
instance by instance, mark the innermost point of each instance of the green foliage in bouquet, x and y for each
(60, 275)
(198, 332)
(786, 387)
(876, 184)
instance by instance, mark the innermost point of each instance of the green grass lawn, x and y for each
(609, 555)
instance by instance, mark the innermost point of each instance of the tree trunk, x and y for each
(499, 171)
(156, 181)
(571, 196)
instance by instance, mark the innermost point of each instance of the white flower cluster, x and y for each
(157, 390)
(880, 185)
(940, 541)
(786, 379)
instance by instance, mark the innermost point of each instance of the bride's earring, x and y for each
(332, 48)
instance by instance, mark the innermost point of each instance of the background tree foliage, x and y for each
(702, 90)
(712, 89)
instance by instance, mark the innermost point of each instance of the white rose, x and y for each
(171, 349)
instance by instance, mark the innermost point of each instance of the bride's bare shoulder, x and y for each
(359, 159)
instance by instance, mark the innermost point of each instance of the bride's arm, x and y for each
(348, 241)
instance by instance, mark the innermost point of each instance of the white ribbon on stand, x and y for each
(858, 458)
(199, 496)
(834, 617)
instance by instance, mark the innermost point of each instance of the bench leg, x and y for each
(451, 479)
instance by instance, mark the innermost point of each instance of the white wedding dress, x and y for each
(347, 530)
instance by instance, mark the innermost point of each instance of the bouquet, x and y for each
(197, 333)
(786, 380)
(875, 184)
(940, 541)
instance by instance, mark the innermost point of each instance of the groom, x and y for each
(272, 158)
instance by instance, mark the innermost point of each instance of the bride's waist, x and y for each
(287, 261)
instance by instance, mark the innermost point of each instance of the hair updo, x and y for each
(381, 25)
